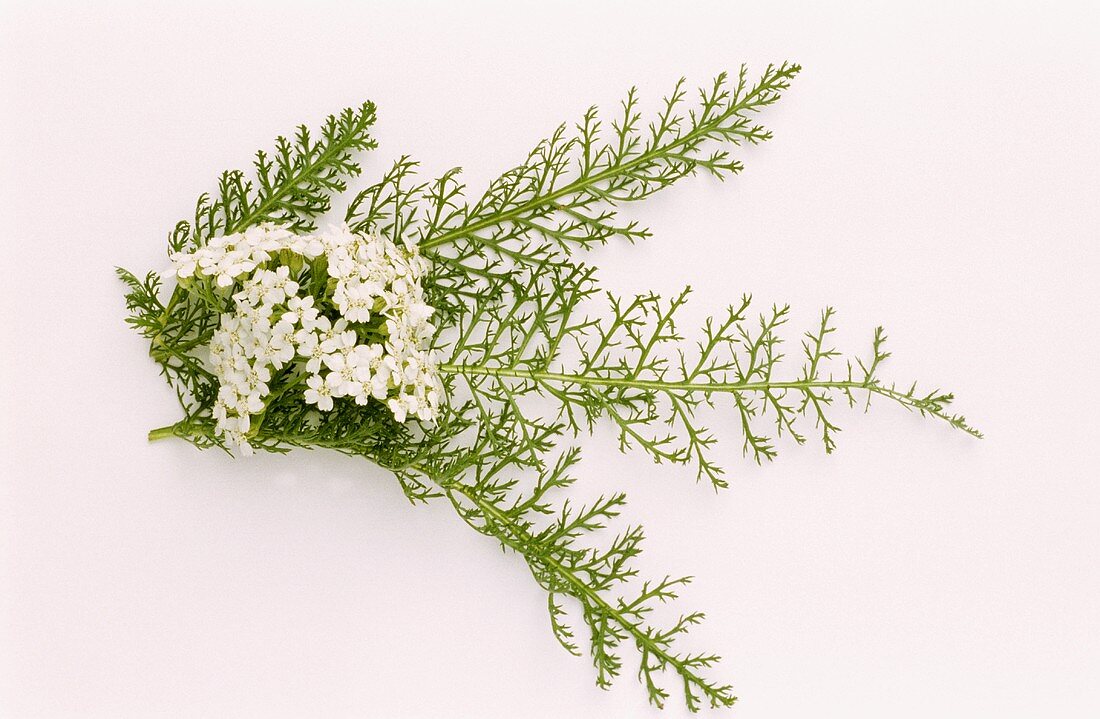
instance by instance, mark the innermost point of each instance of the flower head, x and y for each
(363, 337)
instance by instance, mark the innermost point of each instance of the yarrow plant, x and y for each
(464, 345)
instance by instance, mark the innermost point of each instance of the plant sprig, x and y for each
(522, 320)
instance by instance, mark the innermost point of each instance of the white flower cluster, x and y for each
(374, 290)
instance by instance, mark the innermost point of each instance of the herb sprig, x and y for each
(522, 323)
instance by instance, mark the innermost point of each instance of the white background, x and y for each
(936, 168)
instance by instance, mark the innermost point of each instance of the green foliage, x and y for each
(628, 366)
(565, 195)
(292, 184)
(174, 332)
(484, 482)
(522, 325)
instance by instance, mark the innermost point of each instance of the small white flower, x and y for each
(318, 393)
(282, 342)
(254, 403)
(301, 311)
(307, 246)
(339, 341)
(397, 406)
(341, 379)
(185, 264)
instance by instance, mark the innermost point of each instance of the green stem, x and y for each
(660, 385)
(807, 386)
(163, 432)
